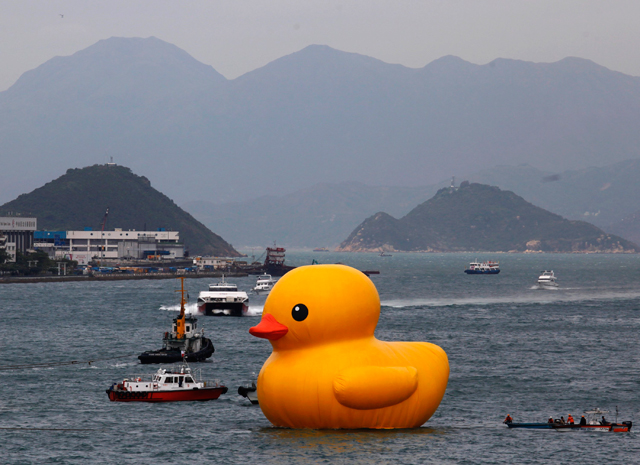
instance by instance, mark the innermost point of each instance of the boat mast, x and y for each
(180, 319)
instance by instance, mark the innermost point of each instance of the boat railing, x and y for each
(138, 379)
(211, 383)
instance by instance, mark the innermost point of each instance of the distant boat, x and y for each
(273, 263)
(321, 249)
(547, 280)
(489, 267)
(264, 284)
(382, 254)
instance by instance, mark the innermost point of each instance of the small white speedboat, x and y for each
(264, 284)
(547, 280)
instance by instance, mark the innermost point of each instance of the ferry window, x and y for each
(188, 380)
(188, 328)
(169, 379)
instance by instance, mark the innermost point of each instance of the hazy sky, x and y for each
(236, 36)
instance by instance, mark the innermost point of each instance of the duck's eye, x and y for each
(300, 312)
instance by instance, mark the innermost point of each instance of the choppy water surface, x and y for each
(512, 349)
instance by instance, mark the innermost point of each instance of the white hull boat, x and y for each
(547, 280)
(264, 284)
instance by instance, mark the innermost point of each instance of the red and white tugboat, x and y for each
(166, 386)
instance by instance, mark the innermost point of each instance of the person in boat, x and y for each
(550, 420)
(604, 421)
(570, 419)
(562, 422)
(508, 420)
(583, 421)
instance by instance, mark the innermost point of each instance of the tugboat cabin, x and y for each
(190, 326)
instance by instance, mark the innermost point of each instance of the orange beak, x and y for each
(269, 328)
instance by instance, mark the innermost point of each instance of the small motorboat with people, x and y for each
(547, 280)
(223, 299)
(183, 342)
(593, 421)
(249, 391)
(264, 284)
(180, 384)
(488, 267)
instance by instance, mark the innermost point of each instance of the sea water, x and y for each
(513, 349)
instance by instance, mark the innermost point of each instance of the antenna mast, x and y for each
(104, 220)
(180, 320)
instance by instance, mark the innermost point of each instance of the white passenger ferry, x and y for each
(223, 299)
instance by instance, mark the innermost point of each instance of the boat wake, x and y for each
(539, 298)
(255, 310)
(192, 309)
(189, 309)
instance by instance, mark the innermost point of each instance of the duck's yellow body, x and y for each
(327, 369)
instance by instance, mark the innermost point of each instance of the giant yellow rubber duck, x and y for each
(328, 371)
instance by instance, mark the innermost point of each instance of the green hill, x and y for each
(79, 199)
(477, 217)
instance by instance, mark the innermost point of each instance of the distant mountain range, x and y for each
(600, 195)
(316, 116)
(628, 227)
(477, 218)
(79, 199)
(324, 214)
(321, 215)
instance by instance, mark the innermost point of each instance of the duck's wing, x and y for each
(371, 387)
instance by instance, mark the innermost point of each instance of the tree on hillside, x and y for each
(4, 256)
(34, 263)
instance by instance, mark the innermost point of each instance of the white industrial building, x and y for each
(17, 234)
(212, 263)
(84, 246)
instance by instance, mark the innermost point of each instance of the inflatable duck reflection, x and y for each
(327, 369)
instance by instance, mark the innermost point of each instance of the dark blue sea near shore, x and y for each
(512, 349)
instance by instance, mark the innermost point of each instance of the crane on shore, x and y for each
(104, 222)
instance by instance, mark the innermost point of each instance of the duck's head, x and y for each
(317, 304)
